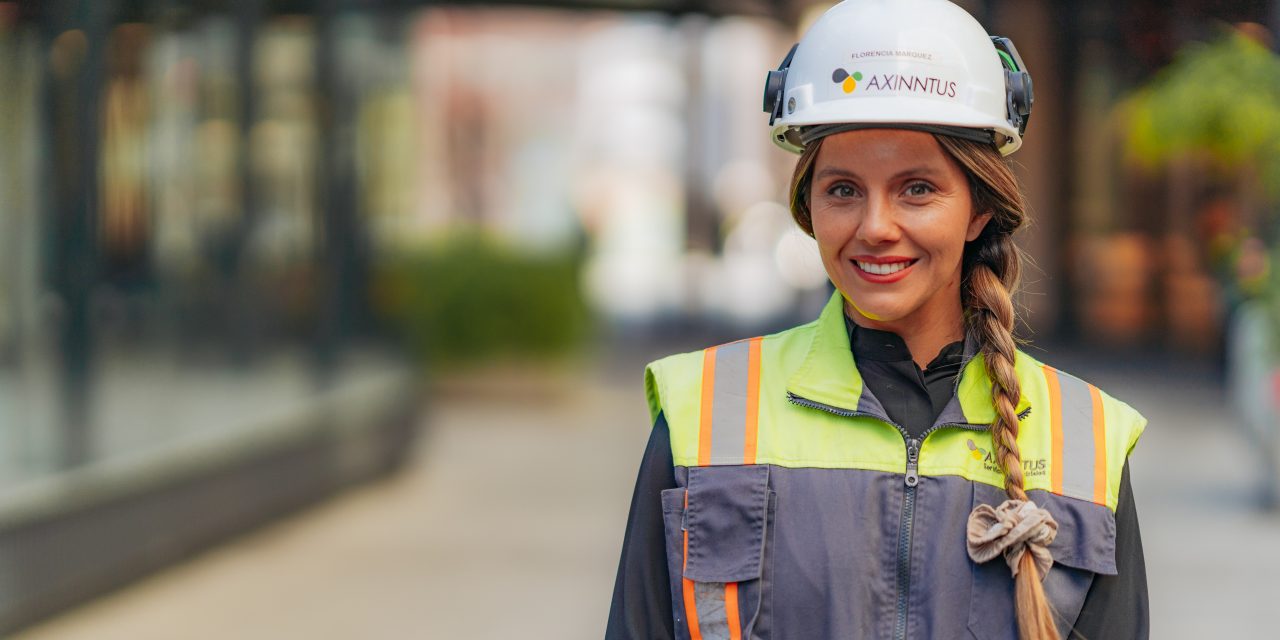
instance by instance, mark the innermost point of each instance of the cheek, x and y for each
(945, 234)
(830, 233)
(947, 252)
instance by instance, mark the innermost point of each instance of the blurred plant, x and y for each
(1220, 98)
(468, 298)
(1220, 101)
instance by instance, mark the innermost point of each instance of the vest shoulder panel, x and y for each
(1077, 438)
(712, 399)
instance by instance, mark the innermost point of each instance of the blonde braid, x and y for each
(992, 269)
(991, 319)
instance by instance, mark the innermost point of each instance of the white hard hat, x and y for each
(917, 64)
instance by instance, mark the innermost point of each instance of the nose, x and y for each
(879, 224)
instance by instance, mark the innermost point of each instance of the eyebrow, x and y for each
(845, 173)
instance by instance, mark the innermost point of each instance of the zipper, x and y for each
(904, 537)
(911, 480)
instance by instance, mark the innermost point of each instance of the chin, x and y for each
(875, 309)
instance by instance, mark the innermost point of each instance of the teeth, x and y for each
(882, 269)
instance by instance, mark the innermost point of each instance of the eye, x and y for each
(919, 189)
(842, 190)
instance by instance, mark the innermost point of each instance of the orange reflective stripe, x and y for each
(708, 400)
(1099, 448)
(753, 403)
(1055, 427)
(690, 603)
(731, 610)
(691, 610)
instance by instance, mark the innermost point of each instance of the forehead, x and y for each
(882, 151)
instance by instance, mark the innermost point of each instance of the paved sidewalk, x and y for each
(484, 538)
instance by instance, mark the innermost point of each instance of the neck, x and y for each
(924, 336)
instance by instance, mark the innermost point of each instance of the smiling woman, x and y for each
(822, 482)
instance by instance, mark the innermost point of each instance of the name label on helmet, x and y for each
(896, 53)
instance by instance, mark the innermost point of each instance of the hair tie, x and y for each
(1013, 528)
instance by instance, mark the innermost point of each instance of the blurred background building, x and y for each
(236, 239)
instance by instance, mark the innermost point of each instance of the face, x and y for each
(892, 211)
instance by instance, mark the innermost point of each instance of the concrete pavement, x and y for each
(483, 538)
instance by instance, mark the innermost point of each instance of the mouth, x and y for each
(884, 270)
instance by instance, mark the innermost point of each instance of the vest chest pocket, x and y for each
(717, 533)
(1085, 547)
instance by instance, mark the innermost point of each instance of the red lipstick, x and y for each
(882, 278)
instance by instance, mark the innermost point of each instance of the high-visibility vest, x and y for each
(804, 512)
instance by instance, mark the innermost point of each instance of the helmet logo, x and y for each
(846, 81)
(897, 83)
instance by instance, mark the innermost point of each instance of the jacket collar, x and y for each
(829, 376)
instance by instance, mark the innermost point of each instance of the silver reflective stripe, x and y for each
(712, 621)
(729, 413)
(1077, 437)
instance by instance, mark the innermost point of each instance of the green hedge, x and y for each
(469, 298)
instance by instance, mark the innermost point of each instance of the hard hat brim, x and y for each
(906, 110)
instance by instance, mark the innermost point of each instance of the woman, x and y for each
(897, 468)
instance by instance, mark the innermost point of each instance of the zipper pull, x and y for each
(913, 460)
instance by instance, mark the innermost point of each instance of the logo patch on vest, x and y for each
(1031, 468)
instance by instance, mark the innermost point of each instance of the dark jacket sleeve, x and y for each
(641, 608)
(1116, 606)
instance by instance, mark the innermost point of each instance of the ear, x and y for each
(976, 224)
